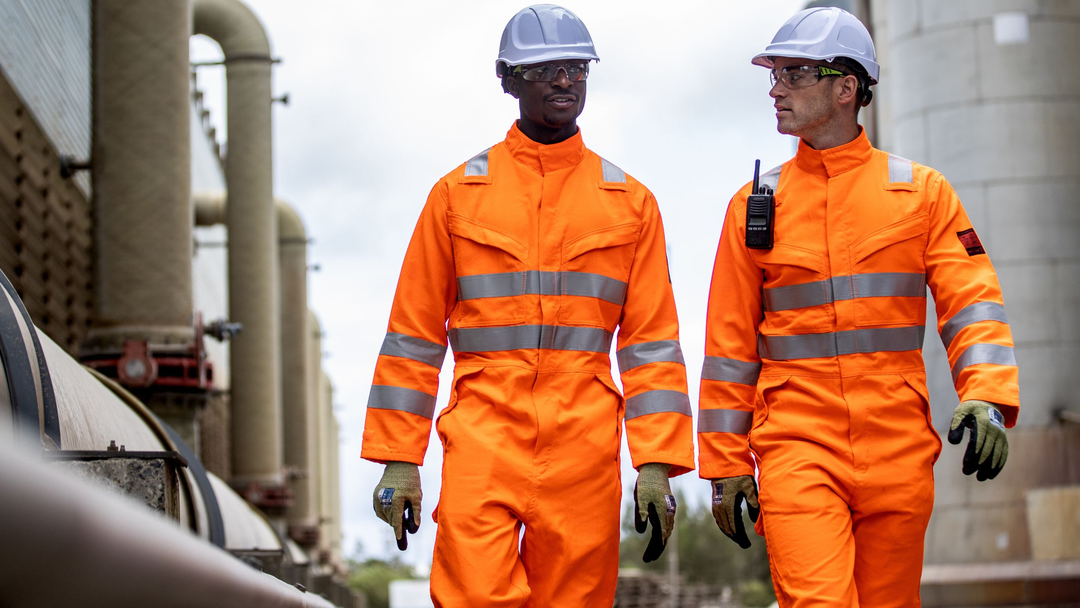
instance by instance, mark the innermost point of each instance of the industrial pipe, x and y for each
(253, 299)
(110, 552)
(298, 414)
(141, 175)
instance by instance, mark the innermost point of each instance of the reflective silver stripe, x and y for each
(637, 355)
(730, 370)
(514, 337)
(401, 345)
(846, 287)
(969, 315)
(725, 421)
(611, 172)
(771, 178)
(901, 170)
(658, 401)
(477, 165)
(984, 353)
(531, 282)
(401, 399)
(848, 342)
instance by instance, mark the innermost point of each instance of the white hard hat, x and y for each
(823, 33)
(544, 32)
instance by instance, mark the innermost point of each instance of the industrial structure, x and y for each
(978, 90)
(155, 334)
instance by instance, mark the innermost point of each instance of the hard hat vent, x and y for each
(851, 38)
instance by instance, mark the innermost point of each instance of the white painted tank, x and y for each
(988, 94)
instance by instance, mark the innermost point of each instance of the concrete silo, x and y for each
(988, 94)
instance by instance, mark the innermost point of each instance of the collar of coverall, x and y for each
(834, 161)
(545, 158)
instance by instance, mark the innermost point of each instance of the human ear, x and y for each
(513, 87)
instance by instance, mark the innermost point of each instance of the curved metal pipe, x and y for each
(298, 414)
(141, 175)
(253, 299)
(111, 552)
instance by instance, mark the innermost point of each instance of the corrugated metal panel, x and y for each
(45, 55)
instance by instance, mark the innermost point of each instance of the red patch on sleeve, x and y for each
(970, 241)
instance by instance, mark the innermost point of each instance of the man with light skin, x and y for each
(813, 371)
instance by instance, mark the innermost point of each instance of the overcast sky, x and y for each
(387, 97)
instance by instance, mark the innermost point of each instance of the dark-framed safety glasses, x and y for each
(576, 71)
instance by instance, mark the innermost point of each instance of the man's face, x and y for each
(554, 104)
(800, 111)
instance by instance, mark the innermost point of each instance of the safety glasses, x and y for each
(801, 76)
(576, 71)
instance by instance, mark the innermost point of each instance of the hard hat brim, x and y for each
(552, 55)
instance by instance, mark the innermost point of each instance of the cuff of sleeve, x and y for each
(719, 471)
(382, 456)
(679, 464)
(1008, 401)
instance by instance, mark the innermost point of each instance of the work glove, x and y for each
(397, 499)
(727, 497)
(987, 448)
(654, 503)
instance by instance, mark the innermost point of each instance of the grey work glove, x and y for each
(727, 498)
(987, 448)
(654, 503)
(397, 499)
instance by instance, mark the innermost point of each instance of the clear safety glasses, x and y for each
(800, 76)
(576, 71)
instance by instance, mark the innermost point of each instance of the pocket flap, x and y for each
(783, 254)
(612, 236)
(467, 228)
(896, 232)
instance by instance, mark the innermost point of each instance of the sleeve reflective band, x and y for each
(847, 287)
(656, 402)
(401, 399)
(611, 172)
(515, 337)
(848, 342)
(984, 353)
(477, 165)
(730, 370)
(401, 345)
(901, 170)
(543, 282)
(969, 315)
(725, 421)
(637, 355)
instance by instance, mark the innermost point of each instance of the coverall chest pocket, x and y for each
(890, 286)
(795, 291)
(595, 270)
(491, 273)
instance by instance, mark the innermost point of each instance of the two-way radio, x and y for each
(760, 213)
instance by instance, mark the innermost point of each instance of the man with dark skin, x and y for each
(549, 110)
(813, 371)
(529, 257)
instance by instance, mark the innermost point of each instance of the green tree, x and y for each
(372, 578)
(705, 554)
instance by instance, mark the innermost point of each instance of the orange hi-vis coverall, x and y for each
(527, 257)
(814, 365)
